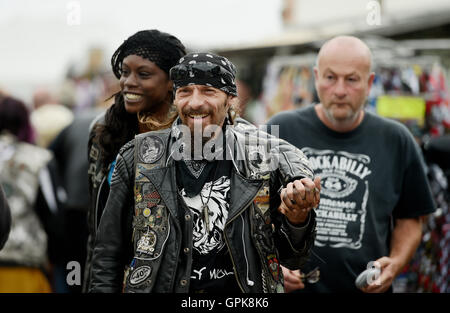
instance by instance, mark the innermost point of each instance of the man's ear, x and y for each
(316, 76)
(231, 101)
(370, 82)
(316, 73)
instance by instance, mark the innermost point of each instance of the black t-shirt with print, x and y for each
(203, 182)
(368, 176)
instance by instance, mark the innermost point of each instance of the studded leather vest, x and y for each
(250, 232)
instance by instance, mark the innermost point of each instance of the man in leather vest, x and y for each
(211, 204)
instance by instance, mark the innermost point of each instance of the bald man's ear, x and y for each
(316, 72)
(316, 77)
(370, 82)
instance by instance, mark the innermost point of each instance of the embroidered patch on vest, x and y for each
(152, 198)
(94, 153)
(147, 243)
(140, 274)
(262, 200)
(274, 266)
(151, 149)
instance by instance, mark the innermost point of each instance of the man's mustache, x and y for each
(189, 111)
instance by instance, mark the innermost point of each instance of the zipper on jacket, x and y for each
(249, 282)
(228, 244)
(96, 203)
(179, 230)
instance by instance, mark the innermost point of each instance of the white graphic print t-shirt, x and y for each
(212, 269)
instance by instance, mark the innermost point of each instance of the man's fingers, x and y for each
(292, 280)
(308, 183)
(317, 189)
(301, 191)
(309, 195)
(283, 209)
(290, 193)
(287, 197)
(317, 183)
(308, 187)
(382, 262)
(303, 194)
(292, 277)
(282, 206)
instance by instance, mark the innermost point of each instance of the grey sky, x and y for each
(37, 42)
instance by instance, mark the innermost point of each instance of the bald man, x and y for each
(374, 188)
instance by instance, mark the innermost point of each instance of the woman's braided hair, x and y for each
(161, 48)
(119, 126)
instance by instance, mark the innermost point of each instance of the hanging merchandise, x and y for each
(412, 91)
(288, 84)
(438, 105)
(428, 269)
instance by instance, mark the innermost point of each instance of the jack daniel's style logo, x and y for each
(345, 190)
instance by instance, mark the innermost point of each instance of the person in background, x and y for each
(71, 167)
(5, 219)
(23, 259)
(5, 211)
(144, 103)
(250, 107)
(48, 117)
(374, 189)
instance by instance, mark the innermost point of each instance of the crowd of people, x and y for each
(166, 188)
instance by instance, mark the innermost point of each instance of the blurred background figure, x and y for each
(5, 219)
(250, 108)
(71, 165)
(23, 260)
(48, 117)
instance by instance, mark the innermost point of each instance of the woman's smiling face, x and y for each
(144, 86)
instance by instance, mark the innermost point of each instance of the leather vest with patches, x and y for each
(151, 220)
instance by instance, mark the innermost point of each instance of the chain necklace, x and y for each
(205, 208)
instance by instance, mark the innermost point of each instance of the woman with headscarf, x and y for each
(144, 103)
